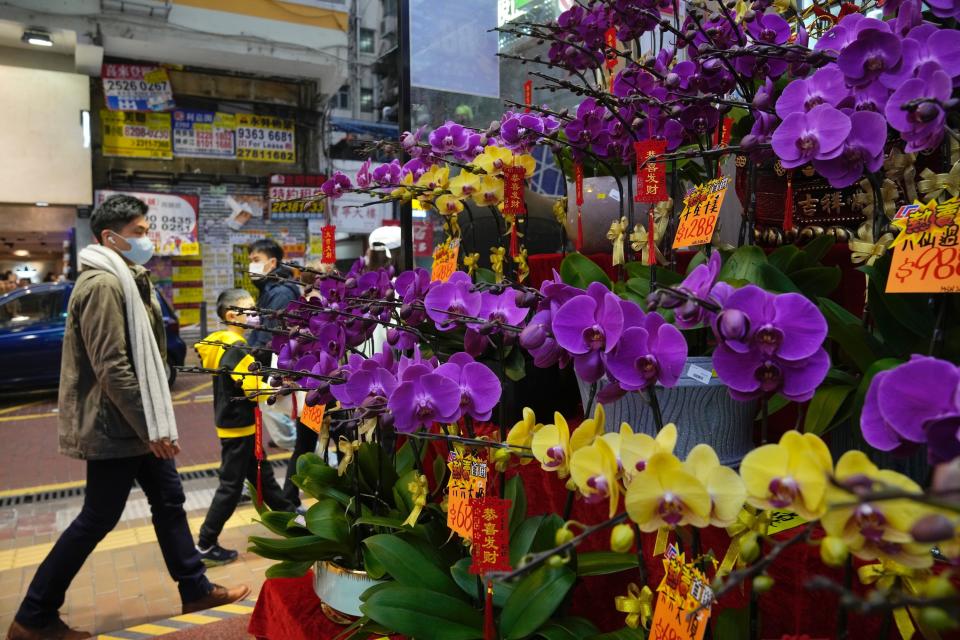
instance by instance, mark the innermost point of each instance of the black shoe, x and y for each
(217, 556)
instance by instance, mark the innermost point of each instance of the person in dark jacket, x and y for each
(116, 415)
(275, 294)
(234, 403)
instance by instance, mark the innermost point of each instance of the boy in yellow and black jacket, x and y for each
(234, 417)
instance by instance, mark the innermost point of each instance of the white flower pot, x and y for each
(340, 589)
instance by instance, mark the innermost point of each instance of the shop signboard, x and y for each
(134, 87)
(136, 135)
(204, 134)
(172, 218)
(357, 213)
(265, 139)
(296, 196)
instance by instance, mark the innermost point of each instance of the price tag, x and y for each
(699, 374)
(683, 590)
(783, 521)
(468, 481)
(701, 208)
(926, 255)
(312, 417)
(445, 260)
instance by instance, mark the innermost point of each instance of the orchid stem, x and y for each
(568, 506)
(764, 418)
(655, 405)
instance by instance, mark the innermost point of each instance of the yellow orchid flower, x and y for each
(589, 430)
(636, 449)
(436, 178)
(493, 160)
(791, 475)
(527, 162)
(490, 193)
(665, 495)
(875, 530)
(593, 469)
(551, 446)
(725, 487)
(465, 184)
(402, 192)
(521, 436)
(448, 205)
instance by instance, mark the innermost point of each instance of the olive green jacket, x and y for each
(101, 411)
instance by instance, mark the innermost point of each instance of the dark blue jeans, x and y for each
(108, 486)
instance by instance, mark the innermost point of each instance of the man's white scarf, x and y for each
(147, 362)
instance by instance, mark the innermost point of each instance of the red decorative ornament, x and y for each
(328, 240)
(528, 94)
(258, 451)
(513, 183)
(651, 244)
(788, 204)
(610, 38)
(578, 178)
(651, 176)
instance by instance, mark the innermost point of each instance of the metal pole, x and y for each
(405, 121)
(203, 319)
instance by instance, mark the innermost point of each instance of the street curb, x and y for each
(181, 623)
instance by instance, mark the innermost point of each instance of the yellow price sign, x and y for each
(445, 260)
(701, 208)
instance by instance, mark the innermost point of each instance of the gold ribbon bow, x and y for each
(347, 449)
(618, 229)
(886, 574)
(888, 192)
(638, 239)
(899, 166)
(863, 249)
(749, 520)
(470, 262)
(418, 494)
(496, 261)
(637, 604)
(523, 269)
(932, 185)
(560, 209)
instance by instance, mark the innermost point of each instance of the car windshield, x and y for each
(31, 308)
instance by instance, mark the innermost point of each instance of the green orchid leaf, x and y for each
(381, 521)
(376, 467)
(408, 564)
(514, 365)
(782, 257)
(422, 614)
(773, 279)
(700, 258)
(534, 600)
(515, 492)
(743, 264)
(731, 623)
(276, 521)
(567, 629)
(774, 404)
(299, 549)
(816, 249)
(287, 569)
(372, 565)
(522, 539)
(326, 519)
(848, 332)
(599, 563)
(405, 459)
(474, 588)
(814, 282)
(482, 274)
(824, 405)
(625, 633)
(579, 271)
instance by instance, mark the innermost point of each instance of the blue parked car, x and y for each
(32, 322)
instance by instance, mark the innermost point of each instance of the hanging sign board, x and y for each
(926, 254)
(136, 135)
(701, 208)
(265, 139)
(204, 134)
(134, 87)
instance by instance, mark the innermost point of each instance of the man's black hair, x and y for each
(267, 247)
(115, 213)
(230, 298)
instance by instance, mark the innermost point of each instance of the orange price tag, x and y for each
(701, 208)
(312, 417)
(926, 254)
(670, 622)
(468, 479)
(682, 591)
(445, 260)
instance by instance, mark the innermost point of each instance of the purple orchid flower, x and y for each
(388, 175)
(410, 142)
(588, 129)
(916, 402)
(448, 139)
(538, 339)
(698, 283)
(334, 187)
(648, 353)
(364, 177)
(816, 135)
(873, 54)
(476, 143)
(922, 124)
(846, 31)
(479, 388)
(412, 287)
(519, 132)
(501, 308)
(328, 337)
(589, 326)
(862, 149)
(944, 8)
(417, 167)
(873, 97)
(755, 374)
(715, 77)
(453, 296)
(764, 126)
(700, 118)
(924, 46)
(370, 383)
(422, 398)
(826, 86)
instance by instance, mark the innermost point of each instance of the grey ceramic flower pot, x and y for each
(703, 413)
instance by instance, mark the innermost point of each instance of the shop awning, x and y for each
(376, 129)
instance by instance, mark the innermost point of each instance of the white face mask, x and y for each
(140, 251)
(256, 268)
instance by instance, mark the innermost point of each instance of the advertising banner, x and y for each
(265, 139)
(134, 87)
(173, 220)
(136, 135)
(296, 196)
(204, 134)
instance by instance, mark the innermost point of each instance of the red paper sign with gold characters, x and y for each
(328, 239)
(701, 208)
(651, 176)
(513, 190)
(926, 254)
(683, 590)
(491, 535)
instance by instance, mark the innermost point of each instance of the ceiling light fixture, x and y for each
(21, 253)
(37, 37)
(43, 204)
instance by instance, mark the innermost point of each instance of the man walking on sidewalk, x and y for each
(116, 413)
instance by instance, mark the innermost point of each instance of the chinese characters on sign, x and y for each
(203, 134)
(491, 535)
(296, 196)
(445, 259)
(513, 190)
(133, 87)
(329, 240)
(701, 208)
(926, 256)
(651, 176)
(172, 218)
(528, 94)
(265, 139)
(684, 589)
(136, 135)
(468, 480)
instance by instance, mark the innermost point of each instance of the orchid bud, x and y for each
(762, 584)
(533, 336)
(688, 309)
(406, 310)
(926, 112)
(557, 561)
(834, 551)
(733, 324)
(386, 420)
(749, 547)
(931, 528)
(271, 400)
(350, 283)
(672, 80)
(275, 382)
(621, 538)
(393, 335)
(254, 366)
(526, 299)
(501, 457)
(563, 536)
(313, 398)
(937, 619)
(938, 587)
(487, 328)
(669, 300)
